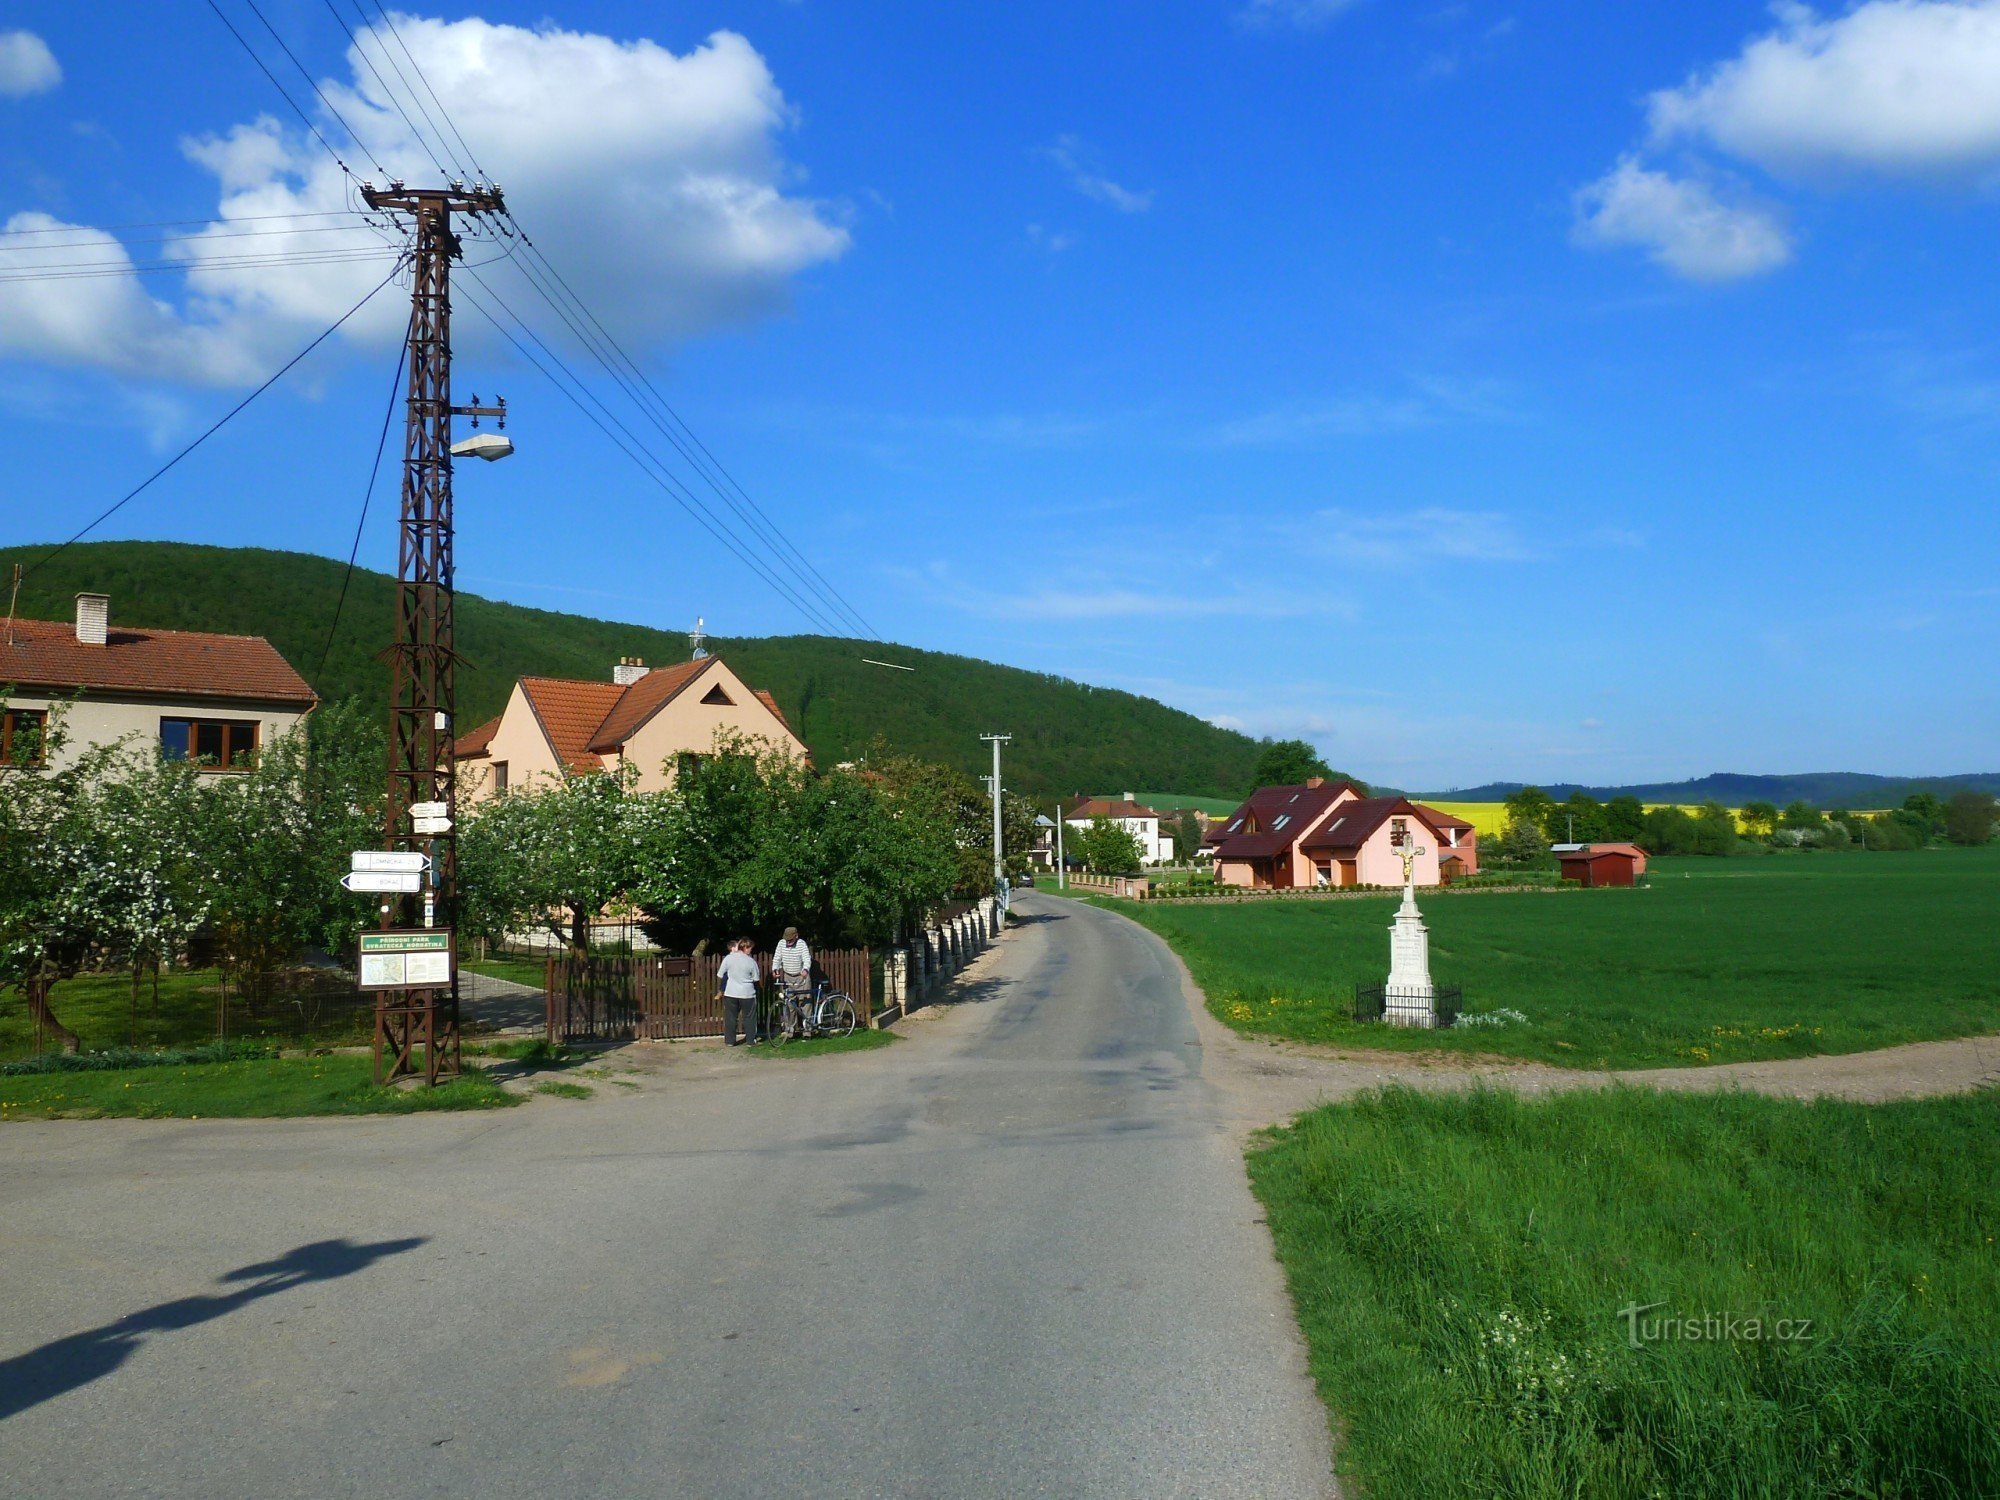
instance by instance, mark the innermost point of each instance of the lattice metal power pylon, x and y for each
(422, 696)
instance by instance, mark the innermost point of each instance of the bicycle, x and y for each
(826, 1011)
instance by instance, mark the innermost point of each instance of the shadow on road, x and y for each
(67, 1363)
(1035, 919)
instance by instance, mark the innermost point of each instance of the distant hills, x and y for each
(1828, 789)
(1068, 736)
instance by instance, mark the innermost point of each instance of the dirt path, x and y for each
(1271, 1081)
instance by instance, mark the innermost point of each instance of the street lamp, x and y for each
(491, 446)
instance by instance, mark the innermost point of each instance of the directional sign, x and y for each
(401, 882)
(406, 959)
(429, 810)
(389, 859)
(431, 825)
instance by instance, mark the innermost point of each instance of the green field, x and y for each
(337, 1084)
(1459, 1263)
(1720, 960)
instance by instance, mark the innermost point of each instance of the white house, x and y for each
(1156, 847)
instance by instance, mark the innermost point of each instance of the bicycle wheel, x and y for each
(837, 1016)
(786, 1022)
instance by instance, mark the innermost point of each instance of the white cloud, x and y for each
(26, 65)
(1432, 534)
(1301, 13)
(1086, 595)
(1427, 403)
(1075, 159)
(653, 179)
(1893, 86)
(1681, 223)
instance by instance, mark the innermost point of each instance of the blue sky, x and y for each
(1545, 391)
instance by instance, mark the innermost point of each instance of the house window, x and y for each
(1280, 821)
(213, 744)
(1236, 827)
(21, 732)
(687, 766)
(716, 696)
(500, 778)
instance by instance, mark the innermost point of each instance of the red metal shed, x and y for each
(1604, 864)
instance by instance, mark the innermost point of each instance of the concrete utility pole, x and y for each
(1062, 862)
(422, 694)
(999, 845)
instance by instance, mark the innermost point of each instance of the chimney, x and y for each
(93, 618)
(628, 671)
(1314, 783)
(1131, 796)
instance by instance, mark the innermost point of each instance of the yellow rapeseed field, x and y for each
(1490, 818)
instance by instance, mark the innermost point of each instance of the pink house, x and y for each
(1328, 834)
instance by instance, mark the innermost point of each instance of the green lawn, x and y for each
(1459, 1263)
(99, 1008)
(1721, 960)
(532, 972)
(861, 1041)
(337, 1084)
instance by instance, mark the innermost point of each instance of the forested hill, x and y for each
(1068, 737)
(1832, 789)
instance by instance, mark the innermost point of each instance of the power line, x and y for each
(382, 47)
(245, 263)
(218, 425)
(367, 496)
(285, 47)
(647, 463)
(417, 68)
(389, 93)
(282, 91)
(784, 551)
(199, 238)
(333, 213)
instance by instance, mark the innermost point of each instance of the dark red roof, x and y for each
(1353, 823)
(191, 663)
(1439, 819)
(1298, 806)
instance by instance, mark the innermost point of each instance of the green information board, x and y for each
(406, 959)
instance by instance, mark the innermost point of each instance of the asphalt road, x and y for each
(1013, 1254)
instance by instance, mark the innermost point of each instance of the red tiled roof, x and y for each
(765, 698)
(570, 713)
(1598, 851)
(474, 741)
(1109, 807)
(644, 698)
(191, 663)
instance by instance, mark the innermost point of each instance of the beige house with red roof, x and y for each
(658, 722)
(214, 699)
(1328, 834)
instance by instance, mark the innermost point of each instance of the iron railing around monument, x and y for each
(1371, 1002)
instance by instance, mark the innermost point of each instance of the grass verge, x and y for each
(1460, 1262)
(262, 1087)
(819, 1046)
(1721, 960)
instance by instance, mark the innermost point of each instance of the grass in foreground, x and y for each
(1721, 960)
(819, 1046)
(264, 1087)
(1459, 1263)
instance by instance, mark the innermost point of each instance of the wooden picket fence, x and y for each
(666, 998)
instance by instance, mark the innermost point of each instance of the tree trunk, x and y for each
(37, 991)
(579, 931)
(135, 1006)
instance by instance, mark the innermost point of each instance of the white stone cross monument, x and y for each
(1409, 999)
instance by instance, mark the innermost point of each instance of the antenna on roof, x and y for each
(698, 639)
(13, 599)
